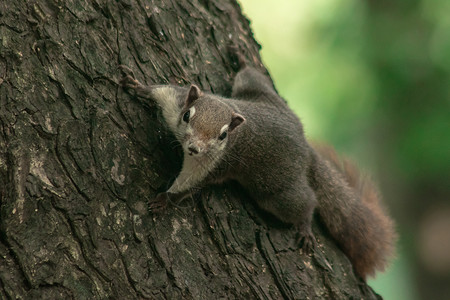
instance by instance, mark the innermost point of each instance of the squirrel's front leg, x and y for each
(191, 176)
(180, 189)
(130, 82)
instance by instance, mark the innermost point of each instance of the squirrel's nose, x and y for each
(193, 149)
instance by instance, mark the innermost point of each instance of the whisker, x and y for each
(238, 159)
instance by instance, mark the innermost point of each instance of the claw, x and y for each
(236, 56)
(129, 82)
(306, 240)
(126, 71)
(159, 203)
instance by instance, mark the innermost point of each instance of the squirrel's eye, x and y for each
(223, 135)
(186, 116)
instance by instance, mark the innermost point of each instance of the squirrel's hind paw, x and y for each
(306, 241)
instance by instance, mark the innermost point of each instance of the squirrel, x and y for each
(255, 139)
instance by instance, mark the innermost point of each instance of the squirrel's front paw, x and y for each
(306, 240)
(128, 80)
(159, 203)
(126, 71)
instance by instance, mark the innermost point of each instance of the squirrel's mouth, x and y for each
(194, 148)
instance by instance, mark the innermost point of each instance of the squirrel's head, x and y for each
(207, 123)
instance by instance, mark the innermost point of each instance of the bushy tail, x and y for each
(350, 208)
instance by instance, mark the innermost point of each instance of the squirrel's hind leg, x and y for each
(297, 210)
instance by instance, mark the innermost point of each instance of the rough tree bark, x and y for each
(79, 159)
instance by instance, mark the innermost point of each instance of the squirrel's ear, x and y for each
(194, 94)
(236, 120)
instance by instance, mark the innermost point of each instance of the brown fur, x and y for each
(367, 236)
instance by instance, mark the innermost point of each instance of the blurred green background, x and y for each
(372, 79)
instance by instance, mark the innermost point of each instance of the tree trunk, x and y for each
(80, 158)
